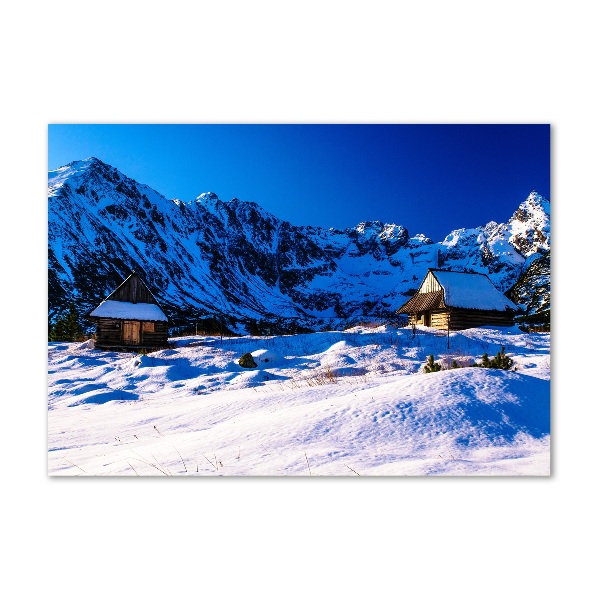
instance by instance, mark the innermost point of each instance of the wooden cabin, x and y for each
(130, 318)
(452, 300)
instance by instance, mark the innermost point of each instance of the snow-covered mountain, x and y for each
(234, 258)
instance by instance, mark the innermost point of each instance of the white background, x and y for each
(275, 62)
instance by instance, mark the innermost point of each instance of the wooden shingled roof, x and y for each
(422, 302)
(443, 288)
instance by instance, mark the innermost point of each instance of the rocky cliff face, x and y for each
(532, 291)
(233, 258)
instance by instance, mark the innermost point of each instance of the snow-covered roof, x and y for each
(471, 290)
(138, 311)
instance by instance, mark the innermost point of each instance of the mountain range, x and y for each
(234, 259)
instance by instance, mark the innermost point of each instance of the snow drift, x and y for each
(338, 403)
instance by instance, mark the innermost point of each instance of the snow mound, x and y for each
(87, 345)
(101, 395)
(337, 360)
(358, 406)
(338, 347)
(267, 358)
(139, 361)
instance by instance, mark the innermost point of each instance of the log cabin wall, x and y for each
(461, 318)
(439, 319)
(156, 337)
(109, 332)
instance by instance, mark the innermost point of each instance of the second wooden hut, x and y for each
(452, 300)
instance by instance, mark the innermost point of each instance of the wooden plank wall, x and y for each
(158, 337)
(464, 319)
(430, 284)
(109, 332)
(439, 319)
(133, 290)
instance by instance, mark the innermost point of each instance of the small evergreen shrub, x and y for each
(432, 367)
(500, 361)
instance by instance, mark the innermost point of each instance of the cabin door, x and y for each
(427, 319)
(131, 332)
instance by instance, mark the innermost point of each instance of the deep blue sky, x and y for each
(429, 178)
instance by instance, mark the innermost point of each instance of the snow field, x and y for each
(335, 403)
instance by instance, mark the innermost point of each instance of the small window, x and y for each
(148, 327)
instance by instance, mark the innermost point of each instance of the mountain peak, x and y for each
(536, 198)
(534, 206)
(80, 165)
(529, 226)
(369, 227)
(207, 196)
(92, 160)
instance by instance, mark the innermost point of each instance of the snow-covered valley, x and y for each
(350, 403)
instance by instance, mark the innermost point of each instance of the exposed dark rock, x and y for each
(247, 361)
(532, 290)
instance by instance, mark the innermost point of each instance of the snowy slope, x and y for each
(337, 403)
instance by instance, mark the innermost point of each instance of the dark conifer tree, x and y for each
(432, 367)
(66, 328)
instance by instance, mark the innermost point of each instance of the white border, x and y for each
(519, 62)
